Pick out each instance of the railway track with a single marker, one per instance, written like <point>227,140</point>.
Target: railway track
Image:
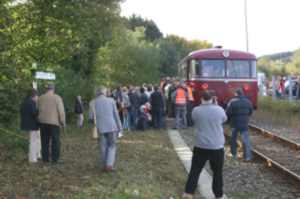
<point>277,151</point>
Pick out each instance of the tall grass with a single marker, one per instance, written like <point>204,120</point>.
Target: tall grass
<point>278,112</point>
<point>12,143</point>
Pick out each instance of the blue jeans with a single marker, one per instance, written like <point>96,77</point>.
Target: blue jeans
<point>180,112</point>
<point>108,147</point>
<point>246,143</point>
<point>126,121</point>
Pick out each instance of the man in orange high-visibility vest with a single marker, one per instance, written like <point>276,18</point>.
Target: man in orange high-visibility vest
<point>180,97</point>
<point>190,105</point>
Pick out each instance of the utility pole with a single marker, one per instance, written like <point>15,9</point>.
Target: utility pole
<point>246,25</point>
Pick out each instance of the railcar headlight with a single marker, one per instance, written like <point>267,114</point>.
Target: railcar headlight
<point>205,86</point>
<point>246,87</point>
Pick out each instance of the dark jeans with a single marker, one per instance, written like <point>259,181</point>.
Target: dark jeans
<point>171,109</point>
<point>133,117</point>
<point>50,132</point>
<point>157,118</point>
<point>189,113</point>
<point>216,160</point>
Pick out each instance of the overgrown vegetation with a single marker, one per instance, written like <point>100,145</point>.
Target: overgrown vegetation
<point>278,113</point>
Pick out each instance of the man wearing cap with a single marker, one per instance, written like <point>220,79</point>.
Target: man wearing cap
<point>51,117</point>
<point>208,119</point>
<point>239,111</point>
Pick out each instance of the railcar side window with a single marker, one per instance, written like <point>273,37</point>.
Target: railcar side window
<point>212,68</point>
<point>182,70</point>
<point>238,68</point>
<point>253,69</point>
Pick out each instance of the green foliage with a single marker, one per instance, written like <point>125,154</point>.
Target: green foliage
<point>60,36</point>
<point>85,43</point>
<point>129,59</point>
<point>173,49</point>
<point>275,65</point>
<point>14,142</point>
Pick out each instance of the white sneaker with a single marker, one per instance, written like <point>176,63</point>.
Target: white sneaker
<point>120,135</point>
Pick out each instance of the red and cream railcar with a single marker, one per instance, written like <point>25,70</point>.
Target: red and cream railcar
<point>220,70</point>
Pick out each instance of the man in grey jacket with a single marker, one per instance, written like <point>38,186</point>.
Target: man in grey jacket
<point>208,119</point>
<point>108,126</point>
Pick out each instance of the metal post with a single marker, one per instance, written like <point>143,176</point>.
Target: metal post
<point>273,87</point>
<point>290,88</point>
<point>246,25</point>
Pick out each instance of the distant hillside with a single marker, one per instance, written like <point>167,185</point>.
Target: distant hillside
<point>284,56</point>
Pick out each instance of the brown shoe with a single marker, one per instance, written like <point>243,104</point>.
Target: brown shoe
<point>109,169</point>
<point>187,196</point>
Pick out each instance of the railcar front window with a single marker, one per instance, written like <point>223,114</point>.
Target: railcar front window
<point>212,68</point>
<point>238,68</point>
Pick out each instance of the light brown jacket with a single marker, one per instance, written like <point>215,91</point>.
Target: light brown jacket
<point>51,110</point>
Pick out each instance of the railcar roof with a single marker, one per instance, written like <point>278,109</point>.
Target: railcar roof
<point>218,53</point>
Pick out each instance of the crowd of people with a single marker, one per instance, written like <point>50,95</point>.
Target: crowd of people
<point>280,87</point>
<point>138,108</point>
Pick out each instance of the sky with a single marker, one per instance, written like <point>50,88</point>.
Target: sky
<point>273,24</point>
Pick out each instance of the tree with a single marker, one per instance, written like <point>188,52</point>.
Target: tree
<point>58,35</point>
<point>152,31</point>
<point>173,49</point>
<point>129,59</point>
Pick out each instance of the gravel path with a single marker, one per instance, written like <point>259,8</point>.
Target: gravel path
<point>250,180</point>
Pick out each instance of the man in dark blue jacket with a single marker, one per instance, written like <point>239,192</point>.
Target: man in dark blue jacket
<point>29,123</point>
<point>157,107</point>
<point>239,111</point>
<point>134,107</point>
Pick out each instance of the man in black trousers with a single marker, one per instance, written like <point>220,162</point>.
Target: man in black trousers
<point>51,117</point>
<point>208,119</point>
<point>157,107</point>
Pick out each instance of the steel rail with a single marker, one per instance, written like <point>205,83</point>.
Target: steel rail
<point>271,163</point>
<point>267,133</point>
